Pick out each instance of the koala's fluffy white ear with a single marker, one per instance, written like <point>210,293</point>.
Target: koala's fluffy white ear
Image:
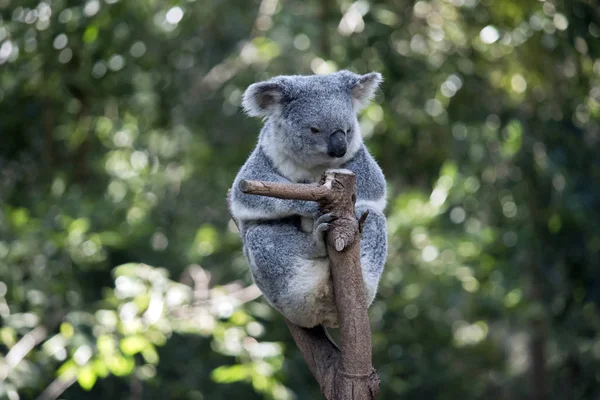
<point>262,98</point>
<point>364,89</point>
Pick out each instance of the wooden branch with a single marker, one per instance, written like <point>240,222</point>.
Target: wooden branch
<point>320,353</point>
<point>288,191</point>
<point>20,350</point>
<point>349,374</point>
<point>57,387</point>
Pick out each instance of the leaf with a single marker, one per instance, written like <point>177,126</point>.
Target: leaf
<point>133,344</point>
<point>100,368</point>
<point>128,269</point>
<point>91,34</point>
<point>150,355</point>
<point>86,377</point>
<point>79,226</point>
<point>66,329</point>
<point>240,317</point>
<point>19,217</point>
<point>206,240</point>
<point>231,373</point>
<point>105,344</point>
<point>120,366</point>
<point>513,136</point>
<point>67,370</point>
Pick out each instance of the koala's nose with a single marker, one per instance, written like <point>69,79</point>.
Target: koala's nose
<point>337,144</point>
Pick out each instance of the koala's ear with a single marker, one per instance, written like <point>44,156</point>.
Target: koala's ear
<point>262,98</point>
<point>364,88</point>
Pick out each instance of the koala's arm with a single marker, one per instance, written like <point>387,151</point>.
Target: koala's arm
<point>247,207</point>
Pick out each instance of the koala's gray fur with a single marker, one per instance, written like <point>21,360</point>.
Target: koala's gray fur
<point>284,239</point>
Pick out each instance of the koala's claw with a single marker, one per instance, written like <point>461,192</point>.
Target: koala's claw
<point>326,217</point>
<point>320,227</point>
<point>322,223</point>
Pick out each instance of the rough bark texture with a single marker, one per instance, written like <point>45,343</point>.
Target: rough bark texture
<point>346,374</point>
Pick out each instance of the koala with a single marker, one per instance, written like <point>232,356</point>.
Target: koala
<point>310,126</point>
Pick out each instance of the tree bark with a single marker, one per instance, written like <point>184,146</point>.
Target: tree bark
<point>346,374</point>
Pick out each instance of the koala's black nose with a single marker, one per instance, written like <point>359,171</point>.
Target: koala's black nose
<point>337,144</point>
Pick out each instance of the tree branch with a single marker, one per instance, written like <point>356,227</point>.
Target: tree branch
<point>57,387</point>
<point>348,374</point>
<point>20,350</point>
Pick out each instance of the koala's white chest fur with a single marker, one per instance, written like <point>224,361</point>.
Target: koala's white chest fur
<point>287,166</point>
<point>296,172</point>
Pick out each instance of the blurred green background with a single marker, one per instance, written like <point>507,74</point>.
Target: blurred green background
<point>122,276</point>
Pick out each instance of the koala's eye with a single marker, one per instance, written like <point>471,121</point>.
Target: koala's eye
<point>348,130</point>
<point>314,130</point>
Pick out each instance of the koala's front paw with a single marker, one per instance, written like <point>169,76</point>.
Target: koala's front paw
<point>320,227</point>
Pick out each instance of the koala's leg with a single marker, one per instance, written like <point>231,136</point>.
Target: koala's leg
<point>291,269</point>
<point>373,250</point>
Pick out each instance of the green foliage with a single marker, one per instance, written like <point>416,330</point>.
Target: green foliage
<point>121,274</point>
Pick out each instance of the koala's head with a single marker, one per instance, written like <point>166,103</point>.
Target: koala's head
<point>313,117</point>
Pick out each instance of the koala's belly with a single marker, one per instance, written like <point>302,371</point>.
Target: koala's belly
<point>307,224</point>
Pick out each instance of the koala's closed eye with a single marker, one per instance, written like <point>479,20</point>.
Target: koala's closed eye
<point>314,130</point>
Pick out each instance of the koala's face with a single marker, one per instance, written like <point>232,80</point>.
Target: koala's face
<point>313,117</point>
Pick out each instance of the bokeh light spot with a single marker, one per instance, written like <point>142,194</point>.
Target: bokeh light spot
<point>429,253</point>
<point>116,62</point>
<point>174,15</point>
<point>560,21</point>
<point>302,42</point>
<point>91,8</point>
<point>137,49</point>
<point>489,34</point>
<point>60,41</point>
<point>518,83</point>
<point>458,215</point>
